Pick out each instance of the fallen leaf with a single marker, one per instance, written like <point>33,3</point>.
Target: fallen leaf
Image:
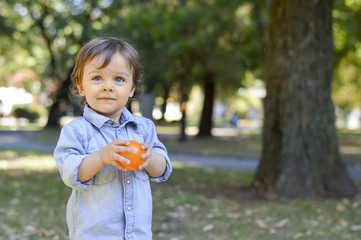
<point>340,207</point>
<point>15,201</point>
<point>272,231</point>
<point>261,223</point>
<point>356,228</point>
<point>281,223</point>
<point>234,215</point>
<point>30,228</point>
<point>210,215</point>
<point>249,212</point>
<point>208,227</point>
<point>341,223</point>
<point>298,235</point>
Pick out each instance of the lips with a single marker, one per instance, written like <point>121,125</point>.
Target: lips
<point>106,98</point>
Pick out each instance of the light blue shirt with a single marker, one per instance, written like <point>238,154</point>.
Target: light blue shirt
<point>113,204</point>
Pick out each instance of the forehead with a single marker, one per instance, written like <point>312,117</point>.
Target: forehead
<point>102,60</point>
<point>118,64</point>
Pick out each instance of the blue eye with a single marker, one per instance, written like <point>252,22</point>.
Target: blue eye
<point>119,79</point>
<point>97,78</point>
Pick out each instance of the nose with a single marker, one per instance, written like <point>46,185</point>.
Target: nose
<point>107,87</point>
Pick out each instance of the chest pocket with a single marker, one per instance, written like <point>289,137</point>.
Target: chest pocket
<point>141,175</point>
<point>107,174</point>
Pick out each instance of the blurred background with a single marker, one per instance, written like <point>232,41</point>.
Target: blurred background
<point>194,52</point>
<point>203,59</point>
<point>204,85</point>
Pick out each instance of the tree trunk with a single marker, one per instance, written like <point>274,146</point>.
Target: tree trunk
<point>147,104</point>
<point>183,121</point>
<point>300,156</point>
<point>205,126</point>
<point>62,95</point>
<point>184,91</point>
<point>164,105</point>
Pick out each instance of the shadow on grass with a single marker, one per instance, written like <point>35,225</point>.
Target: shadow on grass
<point>212,183</point>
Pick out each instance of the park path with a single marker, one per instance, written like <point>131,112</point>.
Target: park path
<point>27,140</point>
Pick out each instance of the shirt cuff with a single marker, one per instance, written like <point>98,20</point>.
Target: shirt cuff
<point>70,173</point>
<point>168,169</point>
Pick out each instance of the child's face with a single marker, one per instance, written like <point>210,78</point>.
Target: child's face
<point>107,89</point>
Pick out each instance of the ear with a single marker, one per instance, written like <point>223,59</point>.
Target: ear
<point>131,94</point>
<point>80,90</point>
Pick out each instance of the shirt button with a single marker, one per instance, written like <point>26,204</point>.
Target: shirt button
<point>129,208</point>
<point>129,235</point>
<point>128,181</point>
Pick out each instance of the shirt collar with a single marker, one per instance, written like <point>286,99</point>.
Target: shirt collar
<point>99,120</point>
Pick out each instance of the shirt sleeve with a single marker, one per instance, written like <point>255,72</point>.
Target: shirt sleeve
<point>68,154</point>
<point>157,146</point>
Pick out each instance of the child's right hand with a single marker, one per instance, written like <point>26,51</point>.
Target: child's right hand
<point>110,154</point>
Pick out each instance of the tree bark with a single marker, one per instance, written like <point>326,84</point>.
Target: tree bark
<point>184,91</point>
<point>300,156</point>
<point>164,105</point>
<point>61,95</point>
<point>205,126</point>
<point>183,121</point>
<point>147,104</point>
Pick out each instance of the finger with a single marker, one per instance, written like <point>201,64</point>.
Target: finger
<point>144,165</point>
<point>121,142</point>
<point>119,158</point>
<point>145,146</point>
<point>120,167</point>
<point>118,149</point>
<point>146,155</point>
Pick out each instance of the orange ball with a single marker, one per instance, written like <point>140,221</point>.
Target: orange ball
<point>135,156</point>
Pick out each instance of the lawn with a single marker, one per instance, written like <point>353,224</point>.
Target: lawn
<point>196,203</point>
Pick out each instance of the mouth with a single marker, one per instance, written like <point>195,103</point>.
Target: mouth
<point>106,98</point>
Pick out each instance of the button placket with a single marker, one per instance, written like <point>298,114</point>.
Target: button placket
<point>128,203</point>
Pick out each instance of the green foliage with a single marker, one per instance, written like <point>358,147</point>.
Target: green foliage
<point>27,113</point>
<point>172,36</point>
<point>33,112</point>
<point>347,54</point>
<point>179,41</point>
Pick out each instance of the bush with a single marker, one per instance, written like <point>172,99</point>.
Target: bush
<point>29,114</point>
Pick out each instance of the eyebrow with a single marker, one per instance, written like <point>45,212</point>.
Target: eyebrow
<point>92,72</point>
<point>123,73</point>
<point>118,73</point>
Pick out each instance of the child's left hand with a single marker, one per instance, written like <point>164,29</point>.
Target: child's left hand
<point>147,156</point>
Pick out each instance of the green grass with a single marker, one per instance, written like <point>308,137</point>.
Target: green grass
<point>215,204</point>
<point>196,203</point>
<point>33,198</point>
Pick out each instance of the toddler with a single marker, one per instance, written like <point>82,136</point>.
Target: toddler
<point>107,200</point>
